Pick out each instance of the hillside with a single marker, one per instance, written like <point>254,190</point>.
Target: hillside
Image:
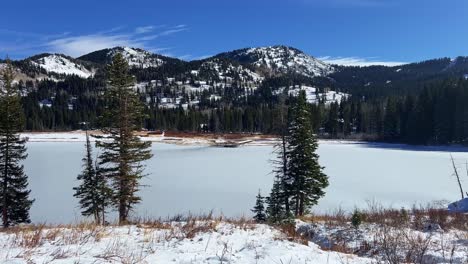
<point>333,240</point>
<point>61,64</point>
<point>278,60</point>
<point>240,91</point>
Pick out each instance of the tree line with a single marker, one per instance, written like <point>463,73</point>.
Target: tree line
<point>110,181</point>
<point>435,114</point>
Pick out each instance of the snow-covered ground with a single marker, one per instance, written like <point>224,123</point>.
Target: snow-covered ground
<point>314,97</point>
<point>225,241</point>
<point>285,59</point>
<point>62,65</point>
<point>202,242</point>
<point>80,136</point>
<point>384,242</point>
<point>137,57</point>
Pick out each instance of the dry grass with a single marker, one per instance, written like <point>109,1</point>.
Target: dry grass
<point>397,236</point>
<point>398,246</point>
<point>33,236</point>
<point>395,246</point>
<point>336,218</point>
<point>417,218</point>
<point>291,234</point>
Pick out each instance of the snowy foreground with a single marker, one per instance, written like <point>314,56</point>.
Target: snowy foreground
<point>386,244</point>
<point>213,241</point>
<point>201,242</point>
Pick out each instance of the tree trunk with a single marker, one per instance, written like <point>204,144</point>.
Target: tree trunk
<point>103,215</point>
<point>5,184</point>
<point>301,205</point>
<point>285,171</point>
<point>296,210</point>
<point>458,177</point>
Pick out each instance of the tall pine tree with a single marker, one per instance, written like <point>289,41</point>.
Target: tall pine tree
<point>123,152</point>
<point>306,180</point>
<point>93,192</point>
<point>14,193</point>
<point>278,201</point>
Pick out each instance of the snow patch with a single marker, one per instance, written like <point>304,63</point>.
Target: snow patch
<point>314,97</point>
<point>459,206</point>
<point>285,59</point>
<point>61,65</point>
<point>138,58</point>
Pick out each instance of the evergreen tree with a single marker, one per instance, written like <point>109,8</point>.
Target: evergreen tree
<point>14,193</point>
<point>278,201</point>
<point>275,211</point>
<point>259,209</point>
<point>391,120</point>
<point>306,181</point>
<point>93,191</point>
<point>123,152</point>
<point>356,218</point>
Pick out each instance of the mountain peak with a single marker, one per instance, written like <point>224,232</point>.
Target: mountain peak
<point>136,57</point>
<point>61,64</point>
<point>280,59</point>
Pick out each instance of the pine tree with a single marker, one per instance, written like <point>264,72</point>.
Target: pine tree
<point>278,201</point>
<point>123,152</point>
<point>14,193</point>
<point>275,211</point>
<point>391,122</point>
<point>306,181</point>
<point>356,218</point>
<point>259,209</point>
<point>93,191</point>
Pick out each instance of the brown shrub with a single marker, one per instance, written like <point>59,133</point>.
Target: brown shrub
<point>289,230</point>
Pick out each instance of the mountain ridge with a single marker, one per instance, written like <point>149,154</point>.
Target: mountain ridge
<point>248,66</point>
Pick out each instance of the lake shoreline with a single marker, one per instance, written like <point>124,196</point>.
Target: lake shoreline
<point>228,140</point>
<point>171,138</point>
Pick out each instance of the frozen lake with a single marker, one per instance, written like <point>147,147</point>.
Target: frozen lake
<point>199,179</point>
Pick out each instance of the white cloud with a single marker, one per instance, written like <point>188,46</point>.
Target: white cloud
<point>145,29</point>
<point>202,57</point>
<point>174,30</point>
<point>80,45</point>
<point>185,57</point>
<point>356,61</point>
<point>140,37</point>
<point>159,50</point>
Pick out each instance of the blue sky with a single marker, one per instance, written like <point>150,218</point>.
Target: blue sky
<point>352,31</point>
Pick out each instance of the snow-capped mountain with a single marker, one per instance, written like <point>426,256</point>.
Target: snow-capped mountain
<point>137,58</point>
<point>281,60</point>
<point>221,69</point>
<point>61,64</point>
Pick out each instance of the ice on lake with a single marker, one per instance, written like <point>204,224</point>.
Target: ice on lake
<point>198,179</point>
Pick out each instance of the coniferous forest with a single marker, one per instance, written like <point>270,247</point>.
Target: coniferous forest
<point>433,114</point>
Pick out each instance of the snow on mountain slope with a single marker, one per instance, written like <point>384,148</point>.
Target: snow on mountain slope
<point>281,59</point>
<point>137,57</point>
<point>223,69</point>
<point>62,65</point>
<point>314,96</point>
